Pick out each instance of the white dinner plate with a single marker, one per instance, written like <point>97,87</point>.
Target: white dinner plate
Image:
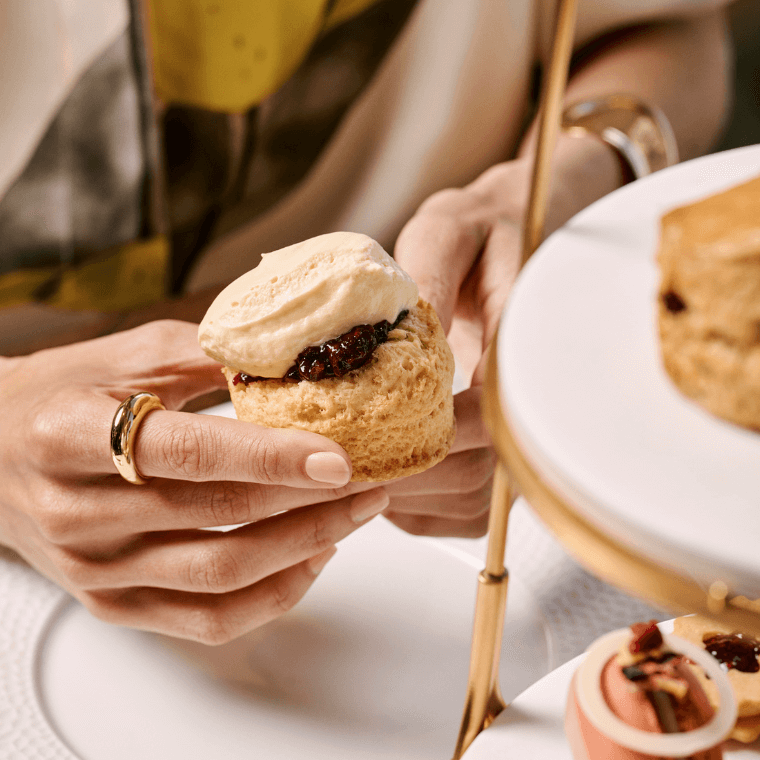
<point>533,725</point>
<point>582,383</point>
<point>372,663</point>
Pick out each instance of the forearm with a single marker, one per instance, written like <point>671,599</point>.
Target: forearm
<point>681,67</point>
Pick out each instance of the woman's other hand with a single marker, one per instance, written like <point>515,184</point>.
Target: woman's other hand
<point>463,248</point>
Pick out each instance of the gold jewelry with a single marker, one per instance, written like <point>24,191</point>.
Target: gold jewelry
<point>639,133</point>
<point>124,428</point>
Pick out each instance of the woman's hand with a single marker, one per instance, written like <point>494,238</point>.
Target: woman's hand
<point>134,555</point>
<point>463,249</point>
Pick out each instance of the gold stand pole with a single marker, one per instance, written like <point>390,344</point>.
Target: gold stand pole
<point>550,116</point>
<point>484,701</point>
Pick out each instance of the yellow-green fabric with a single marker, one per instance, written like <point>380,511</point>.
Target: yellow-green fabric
<point>228,55</point>
<point>124,278</point>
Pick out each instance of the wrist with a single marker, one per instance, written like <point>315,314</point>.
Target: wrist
<point>584,170</point>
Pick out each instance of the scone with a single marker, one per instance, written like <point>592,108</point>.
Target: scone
<point>709,302</point>
<point>740,655</point>
<point>330,335</point>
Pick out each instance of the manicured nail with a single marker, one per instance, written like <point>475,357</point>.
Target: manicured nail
<point>320,560</point>
<point>326,467</point>
<point>368,504</point>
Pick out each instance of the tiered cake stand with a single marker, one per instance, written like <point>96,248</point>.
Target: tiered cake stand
<point>647,490</point>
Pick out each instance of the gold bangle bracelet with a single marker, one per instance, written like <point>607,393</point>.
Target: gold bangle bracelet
<point>639,133</point>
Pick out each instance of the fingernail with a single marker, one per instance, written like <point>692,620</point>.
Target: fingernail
<point>368,504</point>
<point>320,560</point>
<point>326,467</point>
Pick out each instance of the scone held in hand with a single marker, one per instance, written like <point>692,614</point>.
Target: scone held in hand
<point>308,341</point>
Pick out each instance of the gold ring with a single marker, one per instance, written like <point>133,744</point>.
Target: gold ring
<point>124,427</point>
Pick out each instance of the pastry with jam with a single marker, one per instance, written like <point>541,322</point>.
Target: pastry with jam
<point>739,656</point>
<point>330,335</point>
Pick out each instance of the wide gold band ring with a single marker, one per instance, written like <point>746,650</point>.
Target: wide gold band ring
<point>126,422</point>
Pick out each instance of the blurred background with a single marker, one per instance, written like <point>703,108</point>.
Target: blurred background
<point>744,126</point>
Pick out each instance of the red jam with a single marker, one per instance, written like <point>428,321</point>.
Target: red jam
<point>336,357</point>
<point>735,650</point>
<point>646,636</point>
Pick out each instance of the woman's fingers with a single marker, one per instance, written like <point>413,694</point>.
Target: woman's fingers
<point>466,505</point>
<point>205,448</point>
<point>197,448</point>
<point>210,562</point>
<point>439,245</point>
<point>471,430</point>
<point>497,270</point>
<point>458,474</point>
<point>163,357</point>
<point>426,525</point>
<point>110,507</point>
<point>74,438</point>
<point>208,618</point>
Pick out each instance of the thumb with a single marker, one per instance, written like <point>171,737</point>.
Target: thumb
<point>438,251</point>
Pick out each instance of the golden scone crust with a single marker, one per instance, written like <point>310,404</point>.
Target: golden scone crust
<point>394,416</point>
<point>709,302</point>
<point>746,686</point>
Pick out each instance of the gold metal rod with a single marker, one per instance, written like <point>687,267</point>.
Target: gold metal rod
<point>550,115</point>
<point>501,504</point>
<point>484,699</point>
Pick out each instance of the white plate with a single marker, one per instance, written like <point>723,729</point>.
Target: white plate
<point>372,664</point>
<point>582,383</point>
<point>533,725</point>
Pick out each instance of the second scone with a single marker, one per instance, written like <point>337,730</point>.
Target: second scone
<point>394,416</point>
<point>709,302</point>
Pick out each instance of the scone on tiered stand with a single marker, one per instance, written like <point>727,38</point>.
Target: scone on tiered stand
<point>709,301</point>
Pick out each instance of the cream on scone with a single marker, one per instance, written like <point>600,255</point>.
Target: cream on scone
<point>330,335</point>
